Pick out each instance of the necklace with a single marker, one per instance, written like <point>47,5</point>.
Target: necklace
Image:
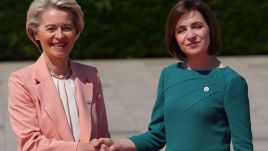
<point>65,76</point>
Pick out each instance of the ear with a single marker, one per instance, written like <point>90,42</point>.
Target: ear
<point>35,35</point>
<point>76,37</point>
<point>77,33</point>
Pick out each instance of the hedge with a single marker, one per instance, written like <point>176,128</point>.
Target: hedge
<point>135,28</point>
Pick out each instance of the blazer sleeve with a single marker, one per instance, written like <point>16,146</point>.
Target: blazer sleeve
<point>103,130</point>
<point>24,122</point>
<point>236,103</point>
<point>155,137</point>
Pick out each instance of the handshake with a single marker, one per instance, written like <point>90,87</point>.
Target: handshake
<point>107,144</point>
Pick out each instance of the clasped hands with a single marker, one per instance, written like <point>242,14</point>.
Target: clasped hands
<point>104,144</point>
<point>107,144</point>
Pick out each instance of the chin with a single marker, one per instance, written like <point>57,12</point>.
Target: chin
<point>61,55</point>
<point>195,53</point>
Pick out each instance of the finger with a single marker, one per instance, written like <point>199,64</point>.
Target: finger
<point>95,142</point>
<point>106,141</point>
<point>104,147</point>
<point>112,148</point>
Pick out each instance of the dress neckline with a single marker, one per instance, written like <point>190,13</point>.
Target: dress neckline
<point>180,65</point>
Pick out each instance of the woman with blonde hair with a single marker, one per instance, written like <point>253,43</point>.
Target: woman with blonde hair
<point>56,103</point>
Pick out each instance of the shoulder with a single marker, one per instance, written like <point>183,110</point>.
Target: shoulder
<point>171,67</point>
<point>171,74</point>
<point>232,77</point>
<point>83,65</point>
<point>235,84</point>
<point>85,71</point>
<point>84,68</point>
<point>236,89</point>
<point>21,79</point>
<point>24,74</point>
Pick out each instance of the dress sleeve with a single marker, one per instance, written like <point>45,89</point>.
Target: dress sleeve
<point>236,103</point>
<point>24,122</point>
<point>154,138</point>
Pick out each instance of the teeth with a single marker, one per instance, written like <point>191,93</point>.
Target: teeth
<point>59,45</point>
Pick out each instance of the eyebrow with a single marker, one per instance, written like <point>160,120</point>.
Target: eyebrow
<point>196,22</point>
<point>49,25</point>
<point>178,27</point>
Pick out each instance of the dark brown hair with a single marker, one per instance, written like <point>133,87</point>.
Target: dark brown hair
<point>181,8</point>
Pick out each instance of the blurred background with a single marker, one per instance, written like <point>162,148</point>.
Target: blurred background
<point>135,28</point>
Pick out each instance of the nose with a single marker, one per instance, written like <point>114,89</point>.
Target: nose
<point>59,34</point>
<point>191,36</point>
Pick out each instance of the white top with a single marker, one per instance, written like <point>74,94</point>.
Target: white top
<point>66,91</point>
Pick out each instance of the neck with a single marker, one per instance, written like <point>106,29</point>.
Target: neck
<point>57,66</point>
<point>202,63</point>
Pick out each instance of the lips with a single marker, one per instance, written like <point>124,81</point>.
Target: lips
<point>193,44</point>
<point>59,45</point>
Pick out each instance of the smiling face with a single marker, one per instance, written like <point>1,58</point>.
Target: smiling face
<point>56,33</point>
<point>192,34</point>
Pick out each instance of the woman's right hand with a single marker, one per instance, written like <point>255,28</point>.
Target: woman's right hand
<point>107,144</point>
<point>85,147</point>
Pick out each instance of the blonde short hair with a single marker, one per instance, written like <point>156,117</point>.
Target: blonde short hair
<point>37,7</point>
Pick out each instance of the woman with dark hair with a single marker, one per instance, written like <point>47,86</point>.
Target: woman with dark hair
<point>201,104</point>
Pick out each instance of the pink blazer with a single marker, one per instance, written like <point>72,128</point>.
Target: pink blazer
<point>37,115</point>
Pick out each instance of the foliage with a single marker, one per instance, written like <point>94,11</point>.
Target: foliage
<point>135,28</point>
<point>244,26</point>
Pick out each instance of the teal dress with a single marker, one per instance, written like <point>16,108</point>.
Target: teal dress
<point>198,111</point>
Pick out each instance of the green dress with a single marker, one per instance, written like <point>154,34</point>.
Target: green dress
<point>198,111</point>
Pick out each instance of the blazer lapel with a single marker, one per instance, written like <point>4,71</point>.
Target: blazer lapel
<point>84,89</point>
<point>50,100</point>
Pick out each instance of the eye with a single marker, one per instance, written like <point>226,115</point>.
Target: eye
<point>67,28</point>
<point>197,26</point>
<point>51,29</point>
<point>181,30</point>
